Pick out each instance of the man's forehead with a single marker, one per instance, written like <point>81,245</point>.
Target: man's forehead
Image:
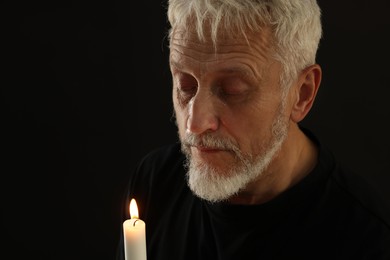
<point>248,38</point>
<point>185,43</point>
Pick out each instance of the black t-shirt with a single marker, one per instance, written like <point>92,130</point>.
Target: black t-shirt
<point>331,214</point>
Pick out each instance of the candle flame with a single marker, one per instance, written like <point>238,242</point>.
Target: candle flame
<point>133,209</point>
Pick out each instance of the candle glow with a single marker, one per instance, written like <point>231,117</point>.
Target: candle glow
<point>133,209</point>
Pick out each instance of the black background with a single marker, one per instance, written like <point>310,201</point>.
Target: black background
<point>86,93</point>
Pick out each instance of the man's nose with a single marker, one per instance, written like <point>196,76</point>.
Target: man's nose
<point>202,114</point>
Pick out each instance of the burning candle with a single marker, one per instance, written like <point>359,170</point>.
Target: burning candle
<point>134,235</point>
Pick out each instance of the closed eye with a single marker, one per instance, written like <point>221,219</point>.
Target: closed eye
<point>233,86</point>
<point>186,86</point>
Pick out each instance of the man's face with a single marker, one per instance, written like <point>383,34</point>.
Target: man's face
<point>229,110</point>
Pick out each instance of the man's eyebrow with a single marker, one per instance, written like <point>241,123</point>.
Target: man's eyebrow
<point>228,70</point>
<point>245,72</point>
<point>235,70</point>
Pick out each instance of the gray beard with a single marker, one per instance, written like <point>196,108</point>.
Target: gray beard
<point>215,185</point>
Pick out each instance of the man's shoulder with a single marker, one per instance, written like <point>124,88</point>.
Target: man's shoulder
<point>160,162</point>
<point>348,191</point>
<point>357,188</point>
<point>160,168</point>
<point>166,154</point>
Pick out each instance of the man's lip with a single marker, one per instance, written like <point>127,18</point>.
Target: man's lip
<point>208,149</point>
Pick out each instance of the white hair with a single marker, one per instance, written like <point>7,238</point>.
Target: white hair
<point>295,24</point>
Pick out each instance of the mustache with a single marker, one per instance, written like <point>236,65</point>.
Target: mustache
<point>211,141</point>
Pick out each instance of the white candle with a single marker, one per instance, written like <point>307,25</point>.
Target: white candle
<point>134,235</point>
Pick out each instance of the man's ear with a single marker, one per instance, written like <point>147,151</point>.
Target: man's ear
<point>306,90</point>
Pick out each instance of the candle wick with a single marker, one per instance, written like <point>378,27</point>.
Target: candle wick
<point>135,222</point>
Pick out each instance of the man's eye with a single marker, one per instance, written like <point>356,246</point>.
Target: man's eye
<point>185,93</point>
<point>233,87</point>
<point>187,87</point>
<point>232,91</point>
